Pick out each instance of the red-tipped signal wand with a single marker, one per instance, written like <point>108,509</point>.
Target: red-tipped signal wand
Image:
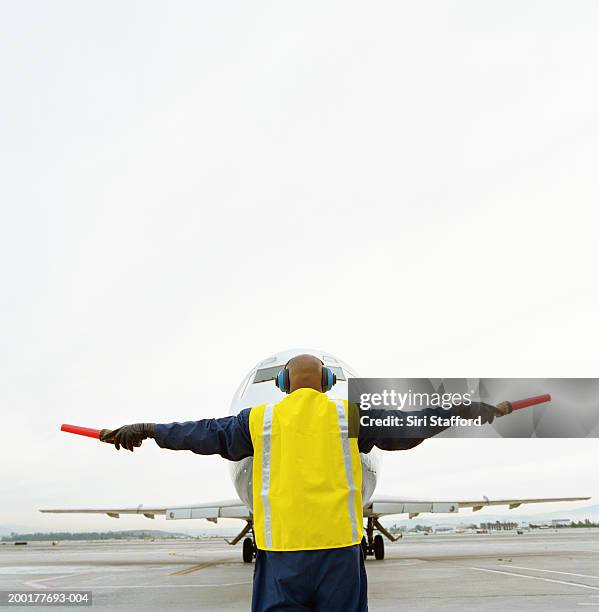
<point>83,431</point>
<point>531,401</point>
<point>507,407</point>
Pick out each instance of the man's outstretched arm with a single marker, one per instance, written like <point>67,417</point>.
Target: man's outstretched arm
<point>404,436</point>
<point>227,436</point>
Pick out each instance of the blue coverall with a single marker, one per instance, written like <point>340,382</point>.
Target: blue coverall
<point>331,579</point>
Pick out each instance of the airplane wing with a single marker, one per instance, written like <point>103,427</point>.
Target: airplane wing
<point>212,511</point>
<point>383,505</point>
<point>378,506</point>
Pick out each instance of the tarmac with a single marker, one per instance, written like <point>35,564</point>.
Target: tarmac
<point>538,570</point>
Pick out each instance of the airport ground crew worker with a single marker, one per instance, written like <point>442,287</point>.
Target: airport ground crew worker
<point>305,467</point>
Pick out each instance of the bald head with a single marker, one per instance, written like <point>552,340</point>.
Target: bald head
<point>305,371</point>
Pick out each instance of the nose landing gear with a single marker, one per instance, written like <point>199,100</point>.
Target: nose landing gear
<point>249,550</point>
<point>374,545</point>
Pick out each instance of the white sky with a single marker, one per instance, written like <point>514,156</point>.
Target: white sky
<point>189,187</point>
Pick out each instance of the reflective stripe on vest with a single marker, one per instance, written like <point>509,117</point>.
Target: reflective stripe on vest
<point>307,474</point>
<point>343,430</point>
<point>266,446</point>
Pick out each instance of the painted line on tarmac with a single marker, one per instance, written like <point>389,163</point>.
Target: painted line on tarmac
<point>574,584</point>
<point>536,569</point>
<point>155,586</point>
<point>193,568</point>
<point>403,562</point>
<point>37,584</point>
<point>200,566</point>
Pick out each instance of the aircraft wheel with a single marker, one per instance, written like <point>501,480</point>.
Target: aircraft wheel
<point>248,550</point>
<point>379,547</point>
<point>364,546</point>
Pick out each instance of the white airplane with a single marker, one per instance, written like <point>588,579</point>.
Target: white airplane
<point>258,388</point>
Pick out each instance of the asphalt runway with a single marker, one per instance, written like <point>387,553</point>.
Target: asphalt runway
<point>541,570</point>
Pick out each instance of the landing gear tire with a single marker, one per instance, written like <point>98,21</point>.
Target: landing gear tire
<point>379,547</point>
<point>364,546</point>
<point>248,550</point>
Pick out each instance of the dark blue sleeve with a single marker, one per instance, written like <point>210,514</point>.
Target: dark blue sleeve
<point>228,437</point>
<point>403,437</point>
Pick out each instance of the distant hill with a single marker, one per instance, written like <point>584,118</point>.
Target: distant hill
<point>590,512</point>
<point>8,529</point>
<point>92,535</point>
<point>467,517</point>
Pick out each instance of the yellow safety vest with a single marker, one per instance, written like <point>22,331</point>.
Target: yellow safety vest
<point>307,474</point>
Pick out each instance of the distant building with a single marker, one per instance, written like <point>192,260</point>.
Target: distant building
<point>499,526</point>
<point>561,522</point>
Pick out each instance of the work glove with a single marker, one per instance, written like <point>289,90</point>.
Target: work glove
<point>128,436</point>
<point>504,408</point>
<point>480,409</point>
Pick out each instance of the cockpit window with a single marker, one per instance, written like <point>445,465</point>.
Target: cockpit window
<point>266,374</point>
<point>338,372</point>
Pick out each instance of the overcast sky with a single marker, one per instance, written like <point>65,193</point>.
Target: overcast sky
<point>189,187</point>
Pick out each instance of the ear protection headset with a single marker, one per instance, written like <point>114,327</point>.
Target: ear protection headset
<point>328,379</point>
